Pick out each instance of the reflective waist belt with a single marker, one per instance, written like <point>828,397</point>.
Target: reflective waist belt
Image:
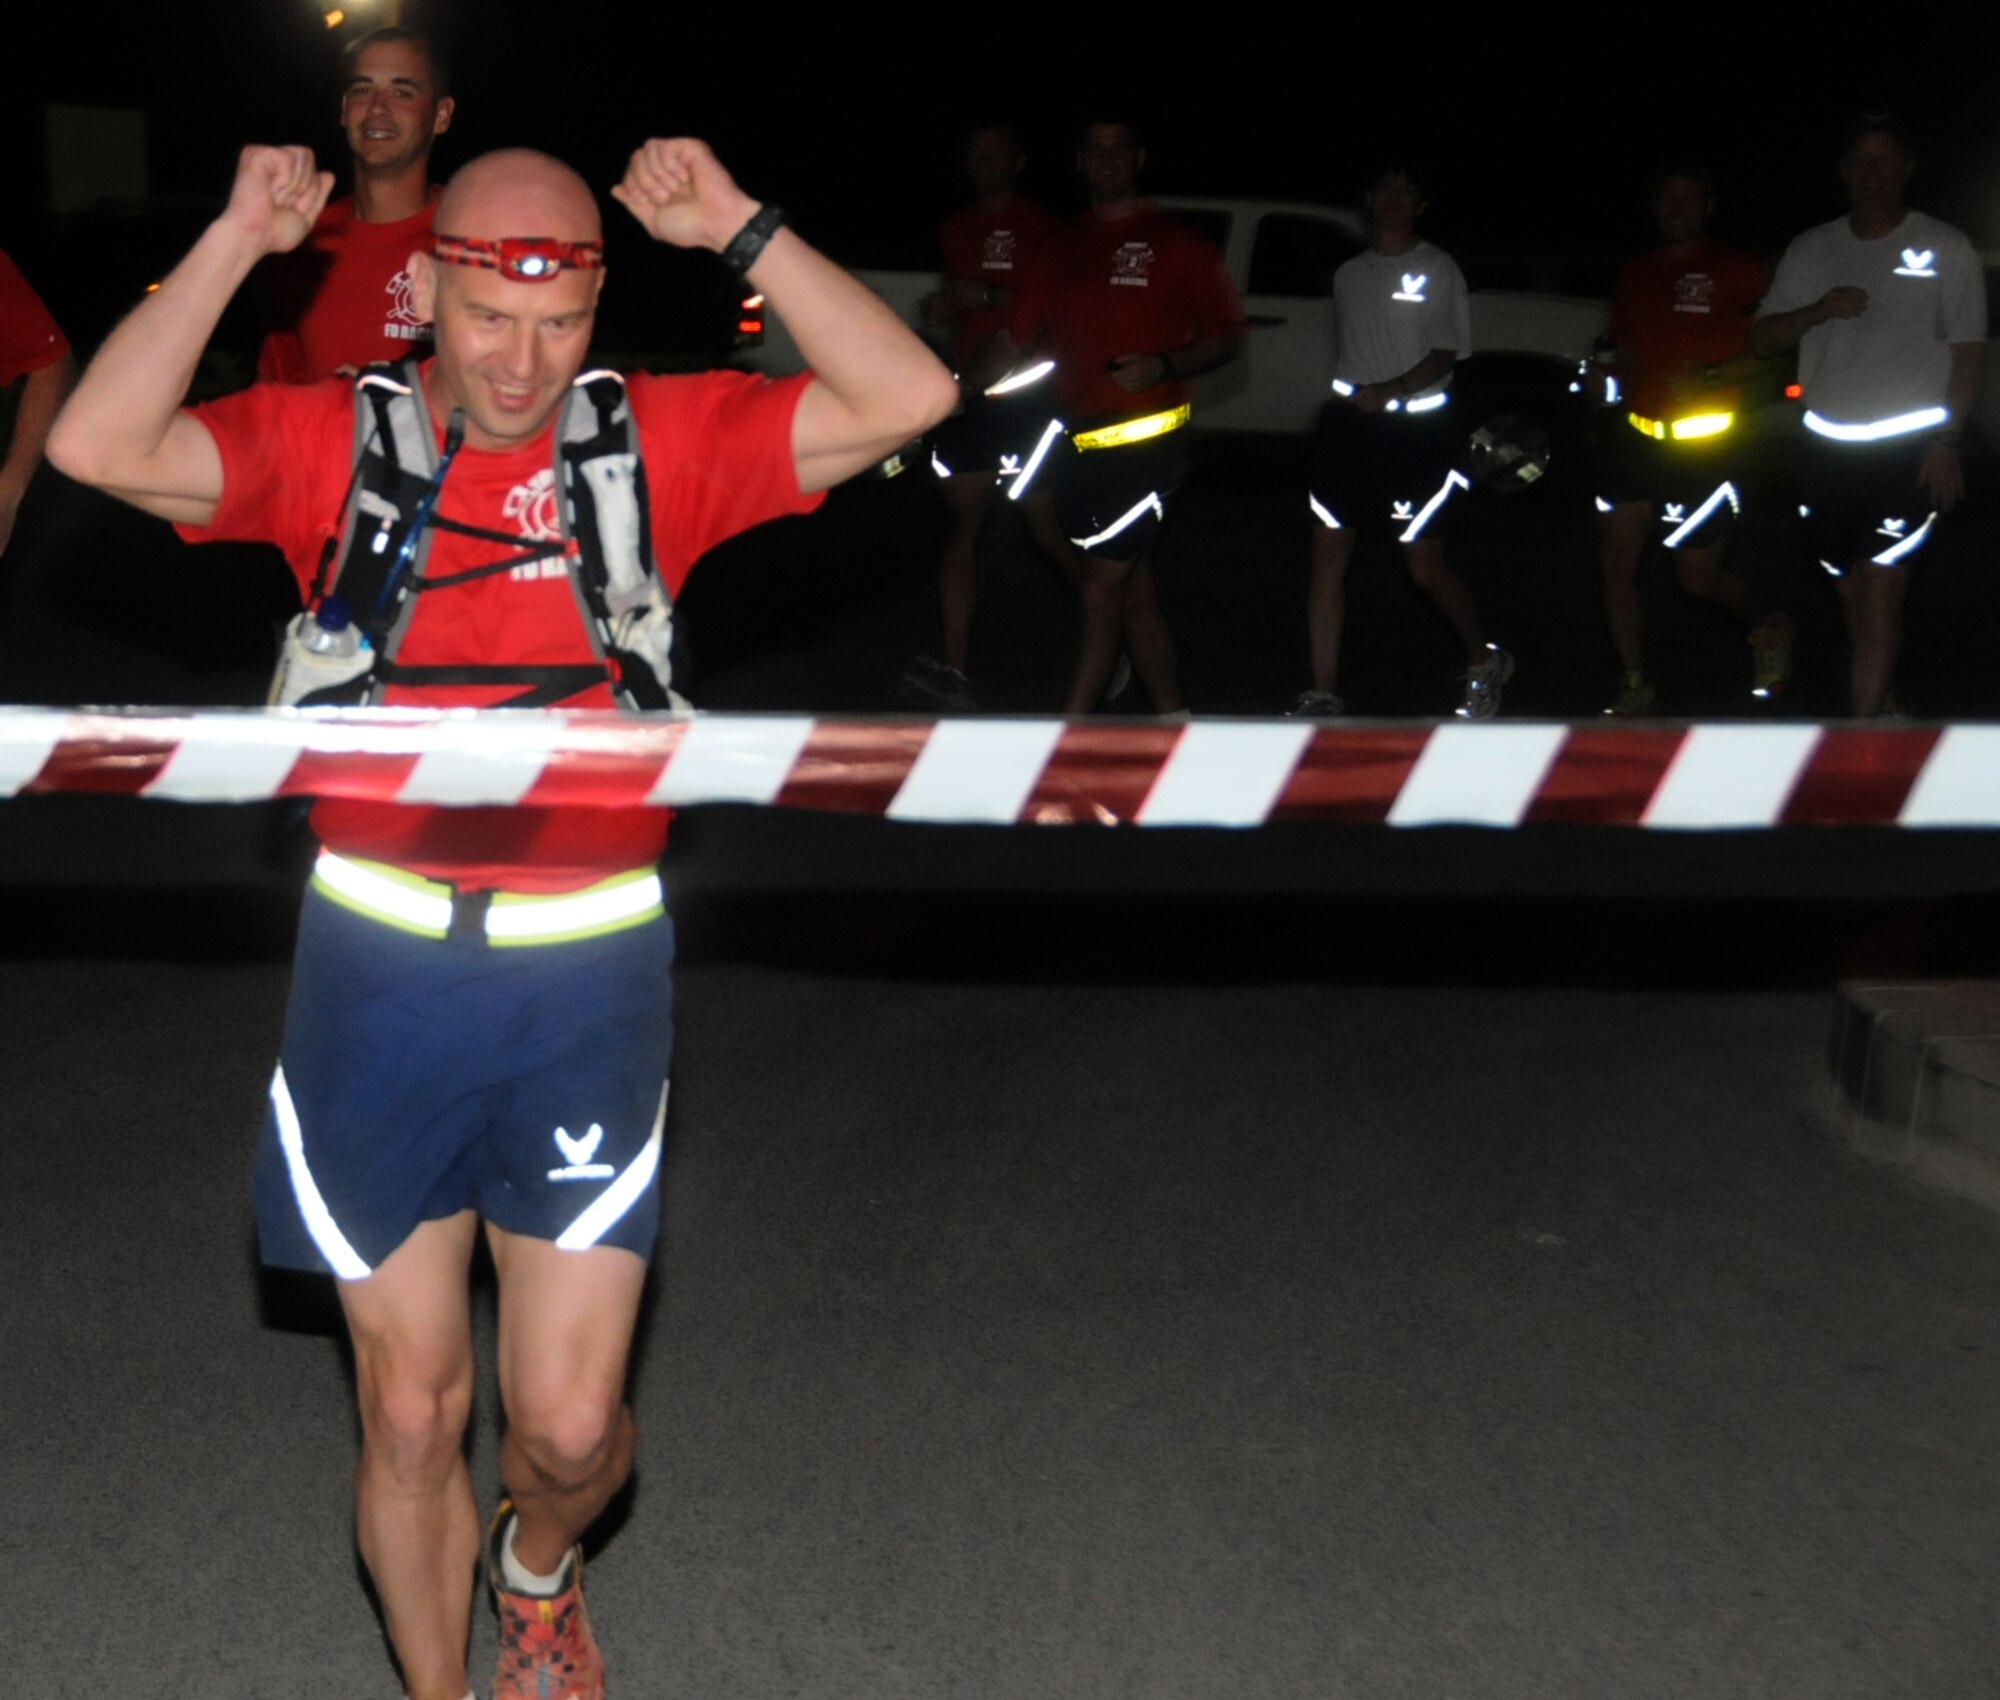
<point>434,910</point>
<point>1134,430</point>
<point>1687,430</point>
<point>1876,430</point>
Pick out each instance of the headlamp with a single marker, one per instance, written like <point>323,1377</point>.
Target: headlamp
<point>527,259</point>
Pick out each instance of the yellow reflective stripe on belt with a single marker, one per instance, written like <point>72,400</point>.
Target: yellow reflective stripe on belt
<point>1134,430</point>
<point>1695,425</point>
<point>624,900</point>
<point>414,904</point>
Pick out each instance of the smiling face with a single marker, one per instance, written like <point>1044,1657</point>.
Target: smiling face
<point>1110,159</point>
<point>507,349</point>
<point>390,110</point>
<point>1681,208</point>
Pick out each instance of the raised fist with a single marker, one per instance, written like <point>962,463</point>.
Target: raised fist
<point>679,191</point>
<point>278,195</point>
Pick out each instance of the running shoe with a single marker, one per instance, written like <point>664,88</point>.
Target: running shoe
<point>1120,681</point>
<point>1771,656</point>
<point>546,1649</point>
<point>1635,697</point>
<point>931,684</point>
<point>1317,705</point>
<point>1483,680</point>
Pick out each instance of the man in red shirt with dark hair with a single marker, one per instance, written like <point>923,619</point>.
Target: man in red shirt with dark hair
<point>343,298</point>
<point>480,1014</point>
<point>1679,317</point>
<point>1131,304</point>
<point>988,246</point>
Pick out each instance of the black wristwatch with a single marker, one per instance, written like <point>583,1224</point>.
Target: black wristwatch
<point>748,243</point>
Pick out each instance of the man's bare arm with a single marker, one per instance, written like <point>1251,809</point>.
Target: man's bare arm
<point>1136,372</point>
<point>42,392</point>
<point>1943,471</point>
<point>122,430</point>
<point>875,384</point>
<point>1780,333</point>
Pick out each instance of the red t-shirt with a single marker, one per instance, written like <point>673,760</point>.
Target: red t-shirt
<point>1676,311</point>
<point>989,247</point>
<point>1104,288</point>
<point>29,338</point>
<point>718,455</point>
<point>342,297</point>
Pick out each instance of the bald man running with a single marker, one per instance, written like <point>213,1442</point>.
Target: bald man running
<point>479,1020</point>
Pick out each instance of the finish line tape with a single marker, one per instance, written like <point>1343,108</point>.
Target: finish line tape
<point>993,771</point>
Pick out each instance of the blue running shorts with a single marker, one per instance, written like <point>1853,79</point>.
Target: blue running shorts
<point>420,1077</point>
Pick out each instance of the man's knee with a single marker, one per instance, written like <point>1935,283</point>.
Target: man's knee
<point>415,1422</point>
<point>1103,584</point>
<point>1699,572</point>
<point>567,1434</point>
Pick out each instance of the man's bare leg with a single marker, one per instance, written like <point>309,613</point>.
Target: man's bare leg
<point>966,498</point>
<point>1101,597</point>
<point>1703,575</point>
<point>1149,642</point>
<point>414,1514</point>
<point>1449,594</point>
<point>1872,598</point>
<point>1621,542</point>
<point>566,1320</point>
<point>1326,604</point>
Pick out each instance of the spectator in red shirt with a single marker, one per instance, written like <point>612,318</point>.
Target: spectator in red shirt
<point>1130,304</point>
<point>342,300</point>
<point>33,350</point>
<point>988,246</point>
<point>1679,318</point>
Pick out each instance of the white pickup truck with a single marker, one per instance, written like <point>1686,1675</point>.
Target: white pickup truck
<point>1281,256</point>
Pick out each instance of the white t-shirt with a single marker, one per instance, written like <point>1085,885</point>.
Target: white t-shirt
<point>1390,310</point>
<point>1926,291</point>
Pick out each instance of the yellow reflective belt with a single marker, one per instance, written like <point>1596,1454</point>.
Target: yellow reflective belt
<point>1694,426</point>
<point>417,905</point>
<point>1134,430</point>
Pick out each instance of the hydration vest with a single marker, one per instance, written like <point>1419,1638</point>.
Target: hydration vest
<point>376,565</point>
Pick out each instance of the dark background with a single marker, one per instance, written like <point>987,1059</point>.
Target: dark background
<point>1541,125</point>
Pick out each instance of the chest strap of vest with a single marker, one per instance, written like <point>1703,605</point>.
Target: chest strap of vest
<point>388,521</point>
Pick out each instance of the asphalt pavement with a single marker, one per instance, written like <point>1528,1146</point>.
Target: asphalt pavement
<point>1097,1263</point>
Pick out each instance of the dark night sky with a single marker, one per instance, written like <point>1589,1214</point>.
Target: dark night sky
<point>1541,125</point>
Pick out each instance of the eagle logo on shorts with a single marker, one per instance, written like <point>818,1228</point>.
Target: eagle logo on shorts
<point>577,1153</point>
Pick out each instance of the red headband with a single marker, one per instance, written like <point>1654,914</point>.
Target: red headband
<point>529,259</point>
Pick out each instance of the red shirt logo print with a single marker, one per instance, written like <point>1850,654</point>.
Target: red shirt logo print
<point>532,508</point>
<point>1130,265</point>
<point>1694,292</point>
<point>403,322</point>
<point>998,253</point>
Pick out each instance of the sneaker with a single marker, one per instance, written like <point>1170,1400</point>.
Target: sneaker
<point>1635,696</point>
<point>1483,680</point>
<point>931,684</point>
<point>1120,681</point>
<point>546,1649</point>
<point>1771,656</point>
<point>1317,705</point>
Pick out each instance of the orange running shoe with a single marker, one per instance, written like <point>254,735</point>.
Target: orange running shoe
<point>547,1651</point>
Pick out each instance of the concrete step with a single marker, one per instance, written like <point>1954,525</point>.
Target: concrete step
<point>1915,1074</point>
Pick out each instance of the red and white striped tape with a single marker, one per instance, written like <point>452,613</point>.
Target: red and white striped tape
<point>994,771</point>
